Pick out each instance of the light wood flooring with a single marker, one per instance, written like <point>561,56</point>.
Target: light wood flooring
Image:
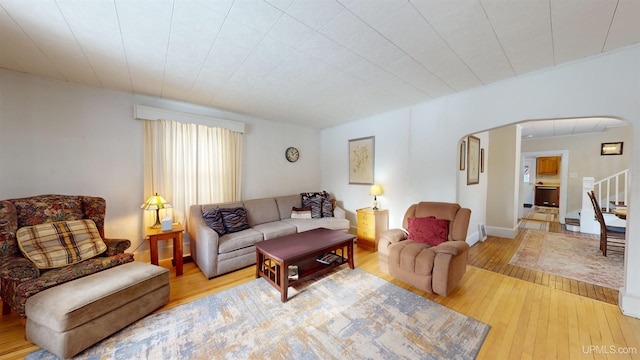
<point>495,254</point>
<point>528,320</point>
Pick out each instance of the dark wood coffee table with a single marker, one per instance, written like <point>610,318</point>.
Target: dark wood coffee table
<point>273,257</point>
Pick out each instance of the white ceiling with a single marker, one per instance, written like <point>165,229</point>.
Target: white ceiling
<point>314,62</point>
<point>566,127</point>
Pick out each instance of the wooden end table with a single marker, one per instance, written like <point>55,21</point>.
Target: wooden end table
<point>175,233</point>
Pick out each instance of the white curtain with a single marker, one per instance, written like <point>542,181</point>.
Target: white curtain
<point>190,164</point>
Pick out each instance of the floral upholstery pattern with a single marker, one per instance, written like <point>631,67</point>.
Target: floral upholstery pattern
<point>19,278</point>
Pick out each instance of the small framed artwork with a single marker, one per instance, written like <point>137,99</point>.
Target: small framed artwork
<point>463,154</point>
<point>482,160</point>
<point>473,160</point>
<point>614,148</point>
<point>361,160</point>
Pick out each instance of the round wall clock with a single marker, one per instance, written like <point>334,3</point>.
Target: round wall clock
<point>292,154</point>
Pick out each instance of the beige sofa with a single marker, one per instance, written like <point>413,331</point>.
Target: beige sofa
<point>268,218</point>
<point>434,269</point>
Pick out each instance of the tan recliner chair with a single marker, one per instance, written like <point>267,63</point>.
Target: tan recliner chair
<point>434,269</point>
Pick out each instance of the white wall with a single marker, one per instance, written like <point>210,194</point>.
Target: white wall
<point>63,138</point>
<point>502,188</point>
<point>475,196</point>
<point>416,147</point>
<point>585,159</point>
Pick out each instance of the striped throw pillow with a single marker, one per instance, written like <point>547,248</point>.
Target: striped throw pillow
<point>234,219</point>
<point>57,244</point>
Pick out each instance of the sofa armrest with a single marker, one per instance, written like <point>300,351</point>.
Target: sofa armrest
<point>451,247</point>
<point>116,246</point>
<point>203,243</point>
<point>339,213</point>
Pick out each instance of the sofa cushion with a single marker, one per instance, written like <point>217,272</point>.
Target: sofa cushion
<point>238,240</point>
<point>214,220</point>
<point>310,224</point>
<point>234,219</point>
<point>301,213</point>
<point>62,243</point>
<point>261,211</point>
<point>285,203</point>
<point>316,206</point>
<point>275,229</point>
<point>428,230</point>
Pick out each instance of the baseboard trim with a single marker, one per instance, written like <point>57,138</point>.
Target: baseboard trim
<point>629,304</point>
<point>502,232</point>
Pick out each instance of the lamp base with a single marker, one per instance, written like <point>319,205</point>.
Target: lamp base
<point>158,224</point>
<point>375,203</point>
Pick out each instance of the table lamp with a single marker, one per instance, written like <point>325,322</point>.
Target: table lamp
<point>156,202</point>
<point>375,190</point>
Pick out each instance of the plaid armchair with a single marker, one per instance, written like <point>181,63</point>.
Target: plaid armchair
<point>19,277</point>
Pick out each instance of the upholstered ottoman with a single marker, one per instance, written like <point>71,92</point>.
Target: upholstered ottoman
<point>69,318</point>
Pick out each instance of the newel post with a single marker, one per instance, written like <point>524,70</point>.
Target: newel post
<point>588,224</point>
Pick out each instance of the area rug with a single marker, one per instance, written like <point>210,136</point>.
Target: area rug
<point>543,213</point>
<point>570,256</point>
<point>534,225</point>
<point>348,314</point>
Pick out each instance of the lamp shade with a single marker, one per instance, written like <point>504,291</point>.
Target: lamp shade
<point>375,190</point>
<point>156,202</point>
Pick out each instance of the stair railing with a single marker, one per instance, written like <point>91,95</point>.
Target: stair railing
<point>607,184</point>
<point>603,189</point>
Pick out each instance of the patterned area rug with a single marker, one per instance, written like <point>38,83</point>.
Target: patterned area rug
<point>534,225</point>
<point>347,314</point>
<point>570,256</point>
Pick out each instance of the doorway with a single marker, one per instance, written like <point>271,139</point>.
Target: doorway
<point>527,188</point>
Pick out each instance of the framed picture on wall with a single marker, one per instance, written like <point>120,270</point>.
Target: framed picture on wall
<point>473,160</point>
<point>463,155</point>
<point>361,160</point>
<point>614,148</point>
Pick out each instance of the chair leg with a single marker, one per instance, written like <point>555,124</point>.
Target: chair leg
<point>6,309</point>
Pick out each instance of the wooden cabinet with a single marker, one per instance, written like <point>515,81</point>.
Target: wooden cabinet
<point>547,165</point>
<point>370,224</point>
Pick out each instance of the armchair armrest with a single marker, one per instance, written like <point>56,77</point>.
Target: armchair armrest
<point>19,269</point>
<point>394,235</point>
<point>453,247</point>
<point>116,246</point>
<point>389,237</point>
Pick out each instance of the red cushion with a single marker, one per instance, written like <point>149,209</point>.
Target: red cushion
<point>428,230</point>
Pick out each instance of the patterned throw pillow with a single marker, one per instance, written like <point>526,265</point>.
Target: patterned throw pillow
<point>327,207</point>
<point>213,219</point>
<point>428,230</point>
<point>234,219</point>
<point>301,213</point>
<point>320,202</point>
<point>58,244</point>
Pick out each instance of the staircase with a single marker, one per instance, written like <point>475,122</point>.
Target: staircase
<point>612,192</point>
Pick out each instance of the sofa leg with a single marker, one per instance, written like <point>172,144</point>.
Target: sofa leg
<point>6,309</point>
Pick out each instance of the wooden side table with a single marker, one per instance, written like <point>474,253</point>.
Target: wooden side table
<point>175,233</point>
<point>370,224</point>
